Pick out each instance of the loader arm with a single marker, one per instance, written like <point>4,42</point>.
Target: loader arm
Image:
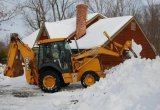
<point>16,46</point>
<point>101,50</point>
<point>96,51</point>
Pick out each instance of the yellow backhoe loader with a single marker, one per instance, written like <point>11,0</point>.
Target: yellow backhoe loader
<point>55,66</point>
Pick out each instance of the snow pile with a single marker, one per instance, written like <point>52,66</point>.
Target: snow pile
<point>137,48</point>
<point>133,85</point>
<point>1,68</point>
<point>1,72</point>
<point>14,83</point>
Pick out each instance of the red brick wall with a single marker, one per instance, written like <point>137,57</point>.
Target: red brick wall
<point>81,20</point>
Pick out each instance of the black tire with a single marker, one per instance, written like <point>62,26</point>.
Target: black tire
<point>53,74</point>
<point>88,73</point>
<point>65,84</point>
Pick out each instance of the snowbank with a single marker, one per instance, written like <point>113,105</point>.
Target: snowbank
<point>133,85</point>
<point>16,83</point>
<point>1,72</point>
<point>1,68</point>
<point>137,48</point>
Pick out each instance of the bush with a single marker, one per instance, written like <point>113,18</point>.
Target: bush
<point>3,53</point>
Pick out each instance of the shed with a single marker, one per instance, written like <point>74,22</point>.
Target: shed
<point>120,29</point>
<point>91,28</point>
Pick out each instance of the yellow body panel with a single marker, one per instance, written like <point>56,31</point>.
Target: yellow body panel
<point>91,65</point>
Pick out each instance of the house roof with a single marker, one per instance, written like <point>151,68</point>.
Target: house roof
<point>59,29</point>
<point>63,28</point>
<point>94,35</point>
<point>30,40</point>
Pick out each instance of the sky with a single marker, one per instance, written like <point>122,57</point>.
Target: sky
<point>15,25</point>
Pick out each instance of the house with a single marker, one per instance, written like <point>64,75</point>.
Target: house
<point>88,30</point>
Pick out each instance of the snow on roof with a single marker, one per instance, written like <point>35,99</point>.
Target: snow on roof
<point>63,28</point>
<point>30,40</point>
<point>59,29</point>
<point>94,35</point>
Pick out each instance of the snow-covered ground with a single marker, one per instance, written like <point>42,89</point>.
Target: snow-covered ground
<point>133,85</point>
<point>1,68</point>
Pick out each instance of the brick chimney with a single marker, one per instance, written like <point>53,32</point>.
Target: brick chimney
<point>81,20</point>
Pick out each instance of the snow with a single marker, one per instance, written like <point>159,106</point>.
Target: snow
<point>1,68</point>
<point>137,48</point>
<point>94,35</point>
<point>30,40</point>
<point>9,87</point>
<point>132,85</point>
<point>63,28</point>
<point>59,29</point>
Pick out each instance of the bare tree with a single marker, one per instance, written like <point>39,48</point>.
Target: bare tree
<point>36,12</point>
<point>96,6</point>
<point>63,8</point>
<point>6,14</point>
<point>3,51</point>
<point>112,8</point>
<point>151,22</point>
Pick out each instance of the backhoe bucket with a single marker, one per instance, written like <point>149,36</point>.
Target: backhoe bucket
<point>16,71</point>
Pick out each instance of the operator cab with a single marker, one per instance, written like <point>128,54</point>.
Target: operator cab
<point>56,54</point>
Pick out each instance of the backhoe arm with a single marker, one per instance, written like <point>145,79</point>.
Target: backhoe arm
<point>9,70</point>
<point>17,47</point>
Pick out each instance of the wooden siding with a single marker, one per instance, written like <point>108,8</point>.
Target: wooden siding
<point>128,34</point>
<point>43,35</point>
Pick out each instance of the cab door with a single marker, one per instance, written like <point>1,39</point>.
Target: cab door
<point>56,53</point>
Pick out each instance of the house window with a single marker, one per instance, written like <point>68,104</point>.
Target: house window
<point>133,26</point>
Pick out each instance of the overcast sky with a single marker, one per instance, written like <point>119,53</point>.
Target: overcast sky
<point>15,25</point>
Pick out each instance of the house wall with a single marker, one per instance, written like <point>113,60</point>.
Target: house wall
<point>131,31</point>
<point>43,35</point>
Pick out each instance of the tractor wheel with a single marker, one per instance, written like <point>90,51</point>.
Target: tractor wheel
<point>49,81</point>
<point>89,78</point>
